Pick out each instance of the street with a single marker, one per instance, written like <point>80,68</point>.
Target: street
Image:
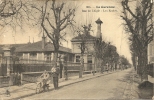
<point>112,86</point>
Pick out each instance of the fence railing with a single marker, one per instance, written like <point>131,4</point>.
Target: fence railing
<point>47,67</point>
<point>18,68</point>
<point>31,67</point>
<point>34,61</point>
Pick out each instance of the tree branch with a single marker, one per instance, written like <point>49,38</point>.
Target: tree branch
<point>50,23</point>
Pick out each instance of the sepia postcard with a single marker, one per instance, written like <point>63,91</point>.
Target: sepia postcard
<point>76,49</point>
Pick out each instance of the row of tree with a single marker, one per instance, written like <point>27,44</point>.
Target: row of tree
<point>102,52</point>
<point>138,22</point>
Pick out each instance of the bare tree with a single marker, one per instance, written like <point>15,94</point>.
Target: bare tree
<point>140,26</point>
<point>100,48</point>
<point>55,17</point>
<point>9,8</point>
<point>14,13</point>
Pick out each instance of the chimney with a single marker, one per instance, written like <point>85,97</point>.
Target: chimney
<point>99,22</point>
<point>43,41</point>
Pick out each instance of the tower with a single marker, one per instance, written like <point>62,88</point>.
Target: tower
<point>98,34</point>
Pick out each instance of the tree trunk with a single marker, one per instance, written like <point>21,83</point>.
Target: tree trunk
<point>81,66</point>
<point>144,70</point>
<point>142,65</point>
<point>95,64</point>
<point>55,59</point>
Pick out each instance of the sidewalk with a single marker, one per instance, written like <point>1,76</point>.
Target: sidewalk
<point>18,92</point>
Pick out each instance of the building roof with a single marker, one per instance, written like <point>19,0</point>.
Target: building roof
<point>37,47</point>
<point>79,38</point>
<point>10,46</point>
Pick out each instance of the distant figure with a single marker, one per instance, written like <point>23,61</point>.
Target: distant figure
<point>61,69</point>
<point>55,74</point>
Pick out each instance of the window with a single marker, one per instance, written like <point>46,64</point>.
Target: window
<point>47,57</point>
<point>32,57</point>
<point>77,58</point>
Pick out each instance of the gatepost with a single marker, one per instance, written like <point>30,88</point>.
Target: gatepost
<point>7,55</point>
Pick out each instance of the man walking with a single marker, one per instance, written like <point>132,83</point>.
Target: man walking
<point>55,74</point>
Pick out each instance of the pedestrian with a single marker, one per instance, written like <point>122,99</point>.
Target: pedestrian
<point>44,79</point>
<point>55,74</point>
<point>61,69</point>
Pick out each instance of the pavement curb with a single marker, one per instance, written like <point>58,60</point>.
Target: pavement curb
<point>67,84</point>
<point>87,79</point>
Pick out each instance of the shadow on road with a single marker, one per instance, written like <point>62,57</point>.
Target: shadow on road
<point>126,87</point>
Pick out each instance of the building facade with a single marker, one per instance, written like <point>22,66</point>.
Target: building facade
<point>89,40</point>
<point>39,54</point>
<point>151,52</point>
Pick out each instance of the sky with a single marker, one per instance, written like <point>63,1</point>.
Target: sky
<point>88,11</point>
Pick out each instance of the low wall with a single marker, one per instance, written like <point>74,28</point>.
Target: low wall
<point>73,73</point>
<point>19,68</point>
<point>31,77</point>
<point>4,81</point>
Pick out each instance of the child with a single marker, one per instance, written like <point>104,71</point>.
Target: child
<point>44,77</point>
